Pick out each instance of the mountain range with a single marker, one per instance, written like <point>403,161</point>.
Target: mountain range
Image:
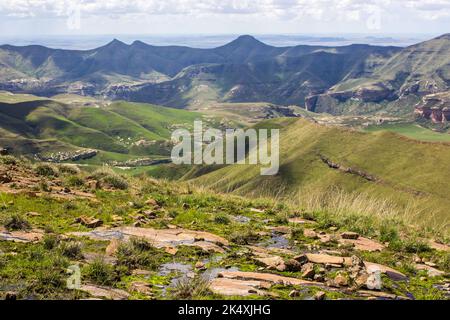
<point>354,79</point>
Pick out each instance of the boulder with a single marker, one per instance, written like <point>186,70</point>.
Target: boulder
<point>328,259</point>
<point>320,295</point>
<point>308,271</point>
<point>89,222</point>
<point>105,292</point>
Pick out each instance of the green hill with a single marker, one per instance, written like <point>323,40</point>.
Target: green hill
<point>383,165</point>
<point>114,128</point>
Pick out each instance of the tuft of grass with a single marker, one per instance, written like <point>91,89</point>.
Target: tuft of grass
<point>68,169</point>
<point>244,237</point>
<point>17,222</point>
<point>139,253</point>
<point>71,249</point>
<point>191,288</point>
<point>74,181</point>
<point>8,160</point>
<point>101,272</point>
<point>45,170</point>
<point>222,219</point>
<point>110,179</point>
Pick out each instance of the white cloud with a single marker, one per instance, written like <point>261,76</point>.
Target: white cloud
<point>349,12</point>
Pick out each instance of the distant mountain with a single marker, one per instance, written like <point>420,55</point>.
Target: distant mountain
<point>241,71</point>
<point>397,85</point>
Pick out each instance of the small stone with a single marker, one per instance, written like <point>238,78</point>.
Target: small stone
<point>341,281</point>
<point>141,287</point>
<point>301,259</point>
<point>320,295</point>
<point>112,248</point>
<point>308,233</point>
<point>33,214</point>
<point>417,259</point>
<point>200,265</point>
<point>374,281</point>
<point>293,265</point>
<point>11,296</point>
<point>350,235</point>
<point>319,278</point>
<point>423,278</point>
<point>431,264</point>
<point>151,202</point>
<point>89,222</point>
<point>171,250</point>
<point>361,280</point>
<point>294,294</point>
<point>333,228</point>
<point>308,271</point>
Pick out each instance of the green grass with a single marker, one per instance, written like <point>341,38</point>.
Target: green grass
<point>413,131</point>
<point>413,176</point>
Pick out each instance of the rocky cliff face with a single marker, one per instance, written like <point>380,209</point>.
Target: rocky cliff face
<point>434,107</point>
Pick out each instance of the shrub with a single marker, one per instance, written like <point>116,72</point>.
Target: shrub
<point>190,288</point>
<point>138,253</point>
<point>17,222</point>
<point>71,249</point>
<point>8,160</point>
<point>244,237</point>
<point>101,272</point>
<point>45,170</point>
<point>222,219</point>
<point>388,233</point>
<point>74,181</point>
<point>50,241</point>
<point>68,169</point>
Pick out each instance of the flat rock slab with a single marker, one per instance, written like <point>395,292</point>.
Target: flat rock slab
<point>267,277</point>
<point>35,235</point>
<point>432,272</point>
<point>381,295</point>
<point>328,259</point>
<point>105,292</point>
<point>161,238</point>
<point>301,221</point>
<point>235,287</point>
<point>439,246</point>
<point>391,273</point>
<point>364,244</point>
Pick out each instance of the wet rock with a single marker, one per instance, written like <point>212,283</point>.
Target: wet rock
<point>320,295</point>
<point>350,235</point>
<point>308,271</point>
<point>161,238</point>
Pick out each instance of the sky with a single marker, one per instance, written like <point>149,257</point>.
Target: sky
<point>88,17</point>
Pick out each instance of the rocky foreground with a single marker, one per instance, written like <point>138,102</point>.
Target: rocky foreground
<point>147,239</point>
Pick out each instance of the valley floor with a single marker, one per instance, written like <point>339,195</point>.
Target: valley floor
<point>152,239</point>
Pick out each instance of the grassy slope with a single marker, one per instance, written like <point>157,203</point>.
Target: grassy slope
<point>111,128</point>
<point>404,166</point>
<point>412,131</point>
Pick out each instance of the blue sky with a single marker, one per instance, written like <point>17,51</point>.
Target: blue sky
<point>46,17</point>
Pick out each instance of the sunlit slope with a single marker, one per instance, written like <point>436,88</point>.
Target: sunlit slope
<point>383,164</point>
